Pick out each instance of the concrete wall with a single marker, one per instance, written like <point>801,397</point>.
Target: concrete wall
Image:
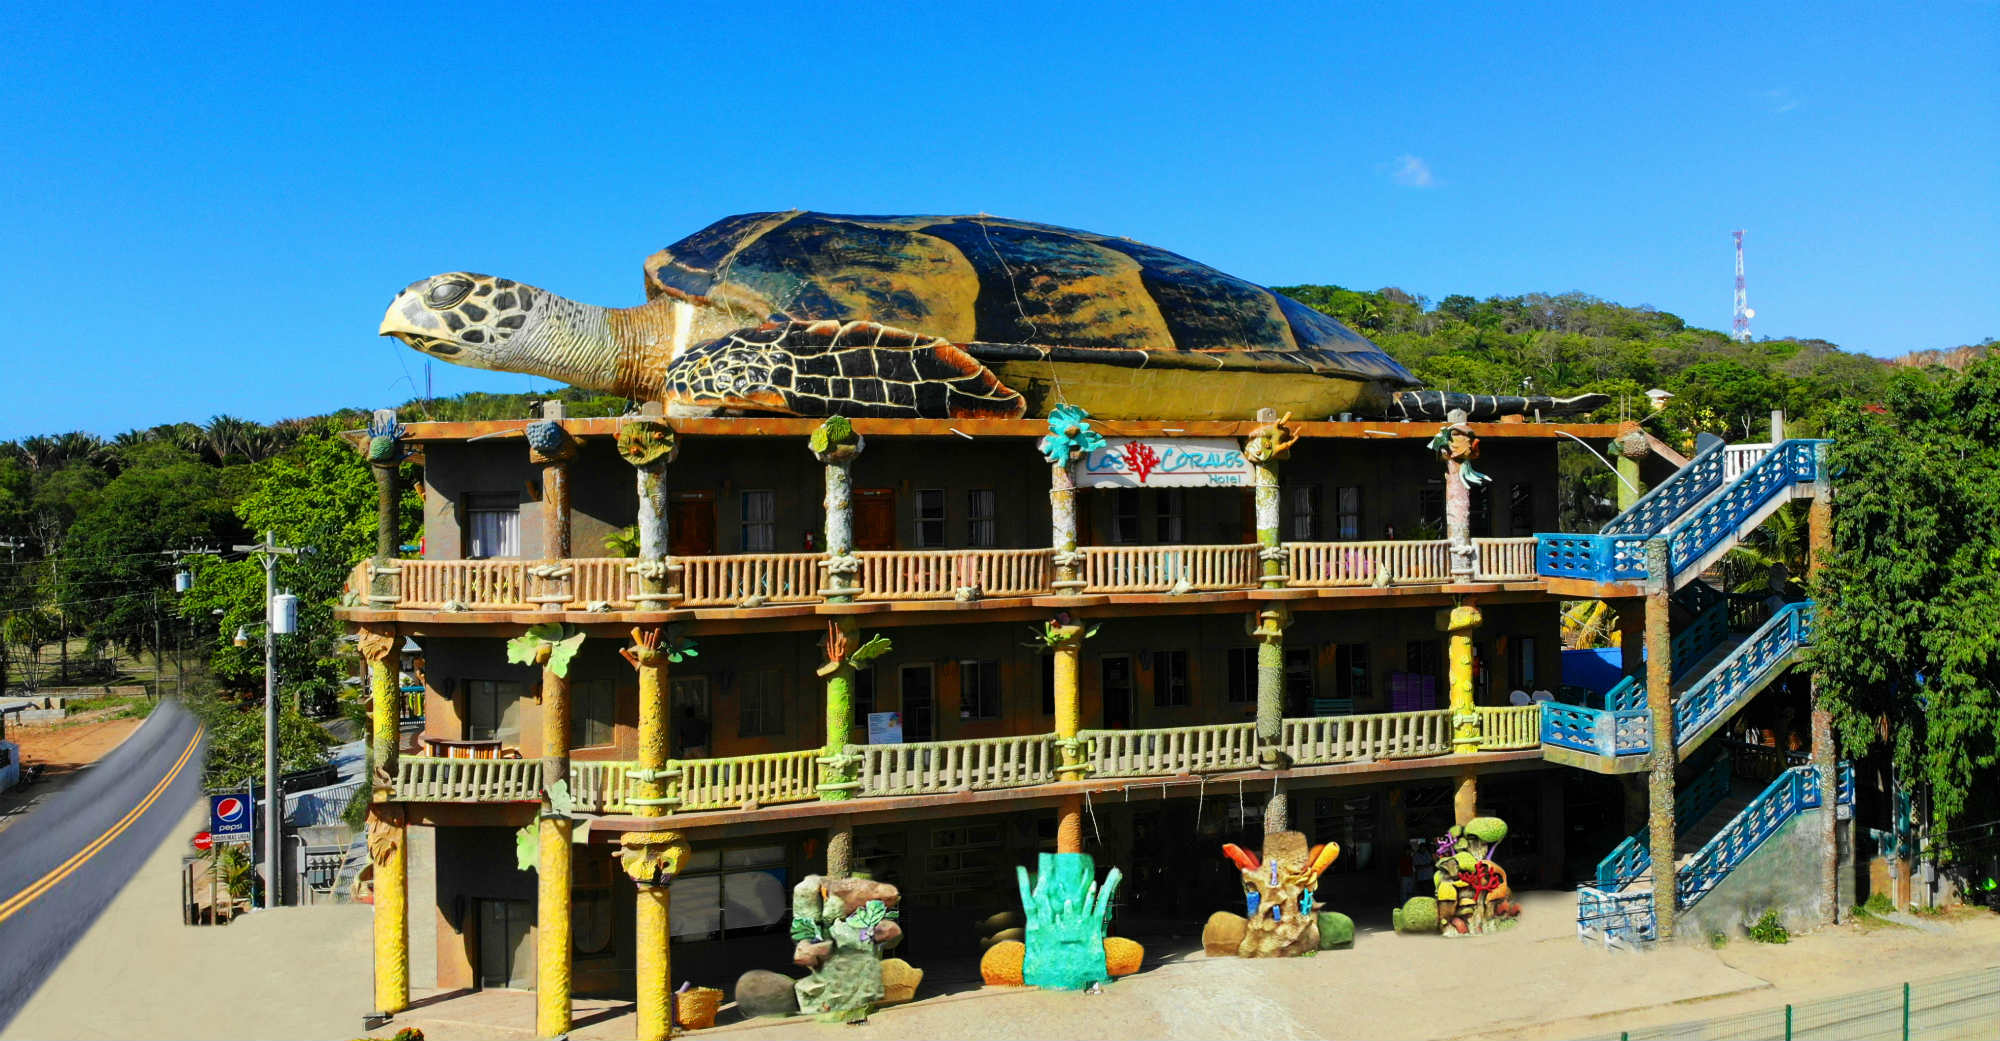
<point>1783,874</point>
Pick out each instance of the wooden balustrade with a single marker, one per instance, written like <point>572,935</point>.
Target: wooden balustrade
<point>778,578</point>
<point>480,585</point>
<point>1507,727</point>
<point>927,767</point>
<point>428,779</point>
<point>1325,565</point>
<point>1387,735</point>
<point>748,780</point>
<point>1505,560</point>
<point>1158,569</point>
<point>1173,750</point>
<point>600,785</point>
<point>938,574</point>
<point>603,580</point>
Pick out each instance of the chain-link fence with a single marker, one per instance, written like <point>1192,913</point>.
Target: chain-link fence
<point>1961,1007</point>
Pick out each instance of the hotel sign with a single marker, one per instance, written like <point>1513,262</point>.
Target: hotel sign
<point>1164,462</point>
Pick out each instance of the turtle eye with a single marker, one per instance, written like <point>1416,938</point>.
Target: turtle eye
<point>447,291</point>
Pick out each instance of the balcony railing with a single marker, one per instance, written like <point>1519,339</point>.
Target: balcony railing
<point>1508,560</point>
<point>1347,739</point>
<point>939,574</point>
<point>1160,569</point>
<point>779,578</point>
<point>928,767</point>
<point>981,764</point>
<point>1328,565</point>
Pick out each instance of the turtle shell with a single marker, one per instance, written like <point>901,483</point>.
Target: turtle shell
<point>1009,290</point>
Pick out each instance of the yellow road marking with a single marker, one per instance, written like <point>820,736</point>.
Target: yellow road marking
<point>68,867</point>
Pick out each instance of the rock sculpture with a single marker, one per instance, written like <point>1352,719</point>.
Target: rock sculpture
<point>842,926</point>
<point>814,314</point>
<point>1281,919</point>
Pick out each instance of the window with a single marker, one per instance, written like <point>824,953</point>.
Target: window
<point>761,705</point>
<point>1424,657</point>
<point>1522,668</point>
<point>1347,503</point>
<point>493,710</point>
<point>1521,509</point>
<point>979,690</point>
<point>1242,675</point>
<point>593,712</point>
<point>1048,684</point>
<point>1430,505</point>
<point>1351,671</point>
<point>1302,513</point>
<point>760,521</point>
<point>930,518</point>
<point>864,694</point>
<point>979,524</point>
<point>1170,679</point>
<point>1167,523</point>
<point>1125,516</point>
<point>1298,679</point>
<point>492,526</point>
<point>691,716</point>
<point>1482,511</point>
<point>918,711</point>
<point>730,891</point>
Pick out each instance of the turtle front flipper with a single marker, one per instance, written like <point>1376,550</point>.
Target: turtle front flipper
<point>827,368</point>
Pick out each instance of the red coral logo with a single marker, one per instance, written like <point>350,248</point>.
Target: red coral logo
<point>1141,459</point>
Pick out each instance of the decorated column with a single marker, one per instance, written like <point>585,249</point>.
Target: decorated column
<point>1267,446</point>
<point>1627,450</point>
<point>1455,444</point>
<point>551,646</point>
<point>1459,624</point>
<point>1270,634</point>
<point>649,445</point>
<point>551,448</point>
<point>835,444</point>
<point>1819,542</point>
<point>385,457</point>
<point>387,820</point>
<point>652,858</point>
<point>1666,757</point>
<point>1068,440</point>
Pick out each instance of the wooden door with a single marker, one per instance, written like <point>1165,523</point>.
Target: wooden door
<point>691,524</point>
<point>1116,672</point>
<point>874,518</point>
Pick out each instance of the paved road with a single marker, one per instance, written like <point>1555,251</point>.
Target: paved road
<point>62,865</point>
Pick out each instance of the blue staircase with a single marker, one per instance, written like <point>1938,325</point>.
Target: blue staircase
<point>1617,738</point>
<point>1616,908</point>
<point>1700,517</point>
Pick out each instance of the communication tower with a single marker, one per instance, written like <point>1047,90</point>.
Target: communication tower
<point>1739,328</point>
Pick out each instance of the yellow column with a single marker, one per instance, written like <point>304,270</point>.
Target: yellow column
<point>1068,650</point>
<point>386,824</point>
<point>651,858</point>
<point>1461,622</point>
<point>552,907</point>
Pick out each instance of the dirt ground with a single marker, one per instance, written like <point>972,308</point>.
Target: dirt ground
<point>61,749</point>
<point>308,969</point>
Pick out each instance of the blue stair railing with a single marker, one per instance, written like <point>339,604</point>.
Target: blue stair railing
<point>1704,514</point>
<point>1748,669</point>
<point>1690,538</point>
<point>1633,857</point>
<point>1620,912</point>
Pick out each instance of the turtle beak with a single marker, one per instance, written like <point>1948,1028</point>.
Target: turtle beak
<point>410,321</point>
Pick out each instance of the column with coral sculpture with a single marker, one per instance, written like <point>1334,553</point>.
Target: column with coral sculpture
<point>387,824</point>
<point>552,646</point>
<point>652,858</point>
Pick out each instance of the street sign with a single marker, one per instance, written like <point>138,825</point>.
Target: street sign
<point>230,818</point>
<point>203,840</point>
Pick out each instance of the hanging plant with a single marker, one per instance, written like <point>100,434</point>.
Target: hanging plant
<point>550,644</point>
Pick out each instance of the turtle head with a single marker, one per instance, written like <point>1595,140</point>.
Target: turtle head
<point>497,323</point>
<point>464,318</point>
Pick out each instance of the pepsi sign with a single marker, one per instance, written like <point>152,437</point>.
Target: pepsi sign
<point>230,817</point>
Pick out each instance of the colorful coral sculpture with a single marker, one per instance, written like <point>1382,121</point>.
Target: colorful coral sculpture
<point>818,314</point>
<point>1067,912</point>
<point>842,926</point>
<point>1471,890</point>
<point>1281,919</point>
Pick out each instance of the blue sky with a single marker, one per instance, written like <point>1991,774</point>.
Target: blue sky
<point>206,212</point>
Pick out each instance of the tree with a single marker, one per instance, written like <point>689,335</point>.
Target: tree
<point>1908,628</point>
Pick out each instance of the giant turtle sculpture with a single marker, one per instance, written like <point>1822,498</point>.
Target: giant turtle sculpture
<point>814,314</point>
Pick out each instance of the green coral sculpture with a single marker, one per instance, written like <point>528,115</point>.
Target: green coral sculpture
<point>1417,915</point>
<point>1069,435</point>
<point>550,643</point>
<point>1066,916</point>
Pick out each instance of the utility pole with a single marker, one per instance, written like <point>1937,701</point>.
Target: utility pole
<point>267,553</point>
<point>182,583</point>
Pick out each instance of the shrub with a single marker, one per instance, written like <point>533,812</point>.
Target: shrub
<point>1718,940</point>
<point>1879,904</point>
<point>1770,929</point>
